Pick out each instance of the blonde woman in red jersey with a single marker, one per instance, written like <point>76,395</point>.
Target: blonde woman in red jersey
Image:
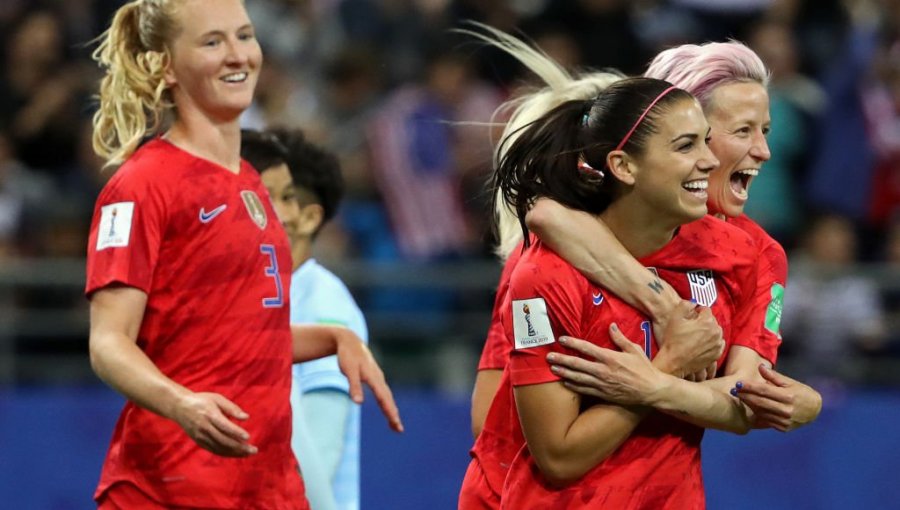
<point>730,82</point>
<point>188,270</point>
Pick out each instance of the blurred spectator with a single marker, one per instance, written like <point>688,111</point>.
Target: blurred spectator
<point>858,129</point>
<point>881,106</point>
<point>891,293</point>
<point>420,153</point>
<point>661,25</point>
<point>794,102</point>
<point>23,193</point>
<point>604,29</point>
<point>817,25</point>
<point>723,19</point>
<point>42,93</point>
<point>829,314</point>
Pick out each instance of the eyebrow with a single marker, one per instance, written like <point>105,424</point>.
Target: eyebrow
<point>222,32</point>
<point>692,136</point>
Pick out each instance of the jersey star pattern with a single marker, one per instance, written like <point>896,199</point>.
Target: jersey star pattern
<point>771,280</point>
<point>205,245</point>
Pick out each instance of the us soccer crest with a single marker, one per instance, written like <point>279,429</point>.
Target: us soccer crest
<point>703,286</point>
<point>255,208</point>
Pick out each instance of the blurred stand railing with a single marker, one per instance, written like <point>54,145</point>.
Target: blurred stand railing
<point>427,322</point>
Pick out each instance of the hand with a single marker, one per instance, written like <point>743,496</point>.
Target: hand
<point>359,366</point>
<point>205,418</point>
<point>779,402</point>
<point>691,343</point>
<point>625,377</point>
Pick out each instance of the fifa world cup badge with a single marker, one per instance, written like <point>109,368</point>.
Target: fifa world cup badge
<point>531,324</point>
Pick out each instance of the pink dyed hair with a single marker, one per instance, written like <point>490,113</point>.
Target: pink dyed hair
<point>699,69</point>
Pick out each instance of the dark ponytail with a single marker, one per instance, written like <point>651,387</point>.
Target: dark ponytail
<point>562,155</point>
<point>542,161</point>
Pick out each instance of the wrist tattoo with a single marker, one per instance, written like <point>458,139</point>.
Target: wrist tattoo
<point>656,286</point>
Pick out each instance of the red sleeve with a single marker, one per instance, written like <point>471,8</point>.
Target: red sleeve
<point>554,293</point>
<point>126,232</point>
<point>495,354</point>
<point>762,331</point>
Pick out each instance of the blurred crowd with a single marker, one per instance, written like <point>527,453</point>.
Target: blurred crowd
<point>408,106</point>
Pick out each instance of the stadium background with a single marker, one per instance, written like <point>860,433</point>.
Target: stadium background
<point>403,103</point>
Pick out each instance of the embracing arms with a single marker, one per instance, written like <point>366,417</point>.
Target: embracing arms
<point>776,401</point>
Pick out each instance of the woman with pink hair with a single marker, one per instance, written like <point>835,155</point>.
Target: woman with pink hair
<point>730,82</point>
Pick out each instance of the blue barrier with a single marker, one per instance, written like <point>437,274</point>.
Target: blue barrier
<point>52,443</point>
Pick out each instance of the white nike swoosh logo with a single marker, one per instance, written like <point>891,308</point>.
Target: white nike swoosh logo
<point>206,217</point>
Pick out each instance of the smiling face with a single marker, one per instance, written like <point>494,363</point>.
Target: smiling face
<point>671,176</point>
<point>739,116</point>
<point>215,59</point>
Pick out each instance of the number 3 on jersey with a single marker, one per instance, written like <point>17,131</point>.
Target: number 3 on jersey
<point>272,271</point>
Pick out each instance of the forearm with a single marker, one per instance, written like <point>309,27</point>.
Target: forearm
<point>593,437</point>
<point>588,244</point>
<point>312,341</point>
<point>706,404</point>
<point>486,384</point>
<point>121,364</point>
<point>565,442</point>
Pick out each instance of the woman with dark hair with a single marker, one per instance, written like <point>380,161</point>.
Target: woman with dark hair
<point>636,155</point>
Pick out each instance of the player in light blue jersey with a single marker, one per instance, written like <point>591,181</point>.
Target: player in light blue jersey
<point>305,185</point>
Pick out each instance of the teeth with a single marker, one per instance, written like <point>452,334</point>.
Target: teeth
<point>236,77</point>
<point>696,185</point>
<point>752,172</point>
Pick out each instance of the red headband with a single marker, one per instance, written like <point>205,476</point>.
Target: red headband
<point>638,123</point>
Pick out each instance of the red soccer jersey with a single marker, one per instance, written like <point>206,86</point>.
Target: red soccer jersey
<point>659,465</point>
<point>495,354</point>
<point>763,334</point>
<point>205,245</point>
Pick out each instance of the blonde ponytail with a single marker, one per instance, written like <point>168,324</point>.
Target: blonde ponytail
<point>559,86</point>
<point>134,99</point>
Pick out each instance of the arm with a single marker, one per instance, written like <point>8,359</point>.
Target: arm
<point>629,378</point>
<point>564,443</point>
<point>600,257</point>
<point>777,401</point>
<point>780,402</point>
<point>486,384</point>
<point>354,359</point>
<point>694,341</point>
<point>116,315</point>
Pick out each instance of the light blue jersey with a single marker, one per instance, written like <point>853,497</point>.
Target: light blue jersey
<point>320,297</point>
